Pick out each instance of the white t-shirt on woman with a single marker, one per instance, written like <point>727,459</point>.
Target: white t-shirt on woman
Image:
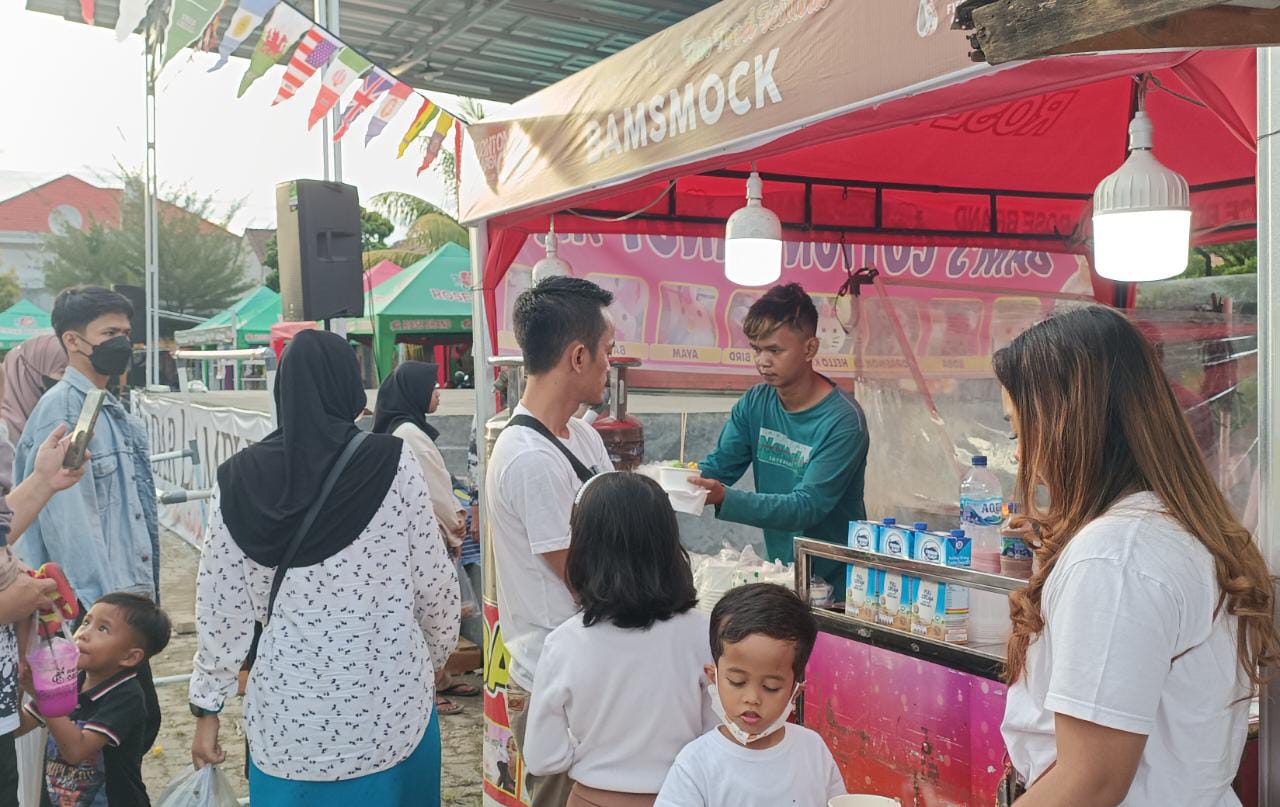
<point>1131,642</point>
<point>614,706</point>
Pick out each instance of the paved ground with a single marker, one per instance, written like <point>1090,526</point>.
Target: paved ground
<point>461,734</point>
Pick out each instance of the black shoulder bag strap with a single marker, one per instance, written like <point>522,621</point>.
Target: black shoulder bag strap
<point>312,512</point>
<point>584,473</point>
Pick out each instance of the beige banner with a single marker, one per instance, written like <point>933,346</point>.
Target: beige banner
<point>737,74</point>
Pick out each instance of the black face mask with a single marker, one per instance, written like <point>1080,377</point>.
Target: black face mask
<point>112,357</point>
<point>48,381</point>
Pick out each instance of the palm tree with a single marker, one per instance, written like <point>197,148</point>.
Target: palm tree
<point>429,226</point>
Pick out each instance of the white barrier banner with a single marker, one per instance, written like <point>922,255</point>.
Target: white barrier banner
<point>218,432</point>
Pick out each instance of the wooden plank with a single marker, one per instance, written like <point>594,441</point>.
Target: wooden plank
<point>1218,27</point>
<point>1009,30</point>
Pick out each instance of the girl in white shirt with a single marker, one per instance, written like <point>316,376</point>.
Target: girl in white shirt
<point>1148,622</point>
<point>621,687</point>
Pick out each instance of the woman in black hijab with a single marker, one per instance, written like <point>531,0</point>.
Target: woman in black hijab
<point>339,701</point>
<point>404,400</point>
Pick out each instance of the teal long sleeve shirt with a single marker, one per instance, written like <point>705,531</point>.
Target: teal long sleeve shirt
<point>809,468</point>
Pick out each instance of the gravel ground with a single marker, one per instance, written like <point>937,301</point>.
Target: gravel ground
<point>461,734</point>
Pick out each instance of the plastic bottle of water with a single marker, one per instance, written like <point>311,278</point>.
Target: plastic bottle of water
<point>982,513</point>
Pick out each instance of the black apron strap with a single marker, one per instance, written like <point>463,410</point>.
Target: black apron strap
<point>584,473</point>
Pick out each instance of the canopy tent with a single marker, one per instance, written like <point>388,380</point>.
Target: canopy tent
<point>245,324</point>
<point>22,321</point>
<point>379,273</point>
<point>870,125</point>
<point>896,138</point>
<point>429,297</point>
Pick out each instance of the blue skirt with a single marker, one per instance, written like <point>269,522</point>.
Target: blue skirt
<point>415,782</point>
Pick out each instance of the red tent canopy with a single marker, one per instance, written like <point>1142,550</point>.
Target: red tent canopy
<point>975,156</point>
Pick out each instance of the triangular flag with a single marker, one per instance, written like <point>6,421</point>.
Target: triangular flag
<point>244,22</point>
<point>375,84</point>
<point>387,110</point>
<point>86,10</point>
<point>347,67</point>
<point>131,13</point>
<point>443,123</point>
<point>314,52</point>
<point>187,21</point>
<point>420,121</point>
<point>286,26</point>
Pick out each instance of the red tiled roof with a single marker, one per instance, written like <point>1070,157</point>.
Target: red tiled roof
<point>29,212</point>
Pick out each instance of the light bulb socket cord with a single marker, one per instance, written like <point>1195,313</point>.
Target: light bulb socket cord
<point>755,189</point>
<point>1141,132</point>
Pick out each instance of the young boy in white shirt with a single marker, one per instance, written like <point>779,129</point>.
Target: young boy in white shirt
<point>761,638</point>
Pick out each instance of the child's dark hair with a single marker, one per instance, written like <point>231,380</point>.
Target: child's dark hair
<point>788,305</point>
<point>76,307</point>
<point>626,564</point>
<point>764,608</point>
<point>150,624</point>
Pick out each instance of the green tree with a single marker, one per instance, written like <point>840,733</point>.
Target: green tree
<point>429,228</point>
<point>272,262</point>
<point>10,289</point>
<point>374,229</point>
<point>1236,258</point>
<point>201,263</point>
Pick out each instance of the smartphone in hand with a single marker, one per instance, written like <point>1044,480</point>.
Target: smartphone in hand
<point>83,431</point>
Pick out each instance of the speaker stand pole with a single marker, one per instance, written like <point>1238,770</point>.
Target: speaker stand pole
<point>326,12</point>
<point>151,235</point>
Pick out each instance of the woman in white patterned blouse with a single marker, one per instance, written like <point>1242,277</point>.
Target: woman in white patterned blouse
<point>339,701</point>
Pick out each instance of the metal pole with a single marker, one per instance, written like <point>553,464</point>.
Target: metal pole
<point>150,222</point>
<point>327,14</point>
<point>481,350</point>
<point>1268,180</point>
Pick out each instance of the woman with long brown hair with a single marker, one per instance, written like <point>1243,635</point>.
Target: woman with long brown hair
<point>1148,622</point>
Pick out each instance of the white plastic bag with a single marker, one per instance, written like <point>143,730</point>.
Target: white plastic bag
<point>207,787</point>
<point>467,592</point>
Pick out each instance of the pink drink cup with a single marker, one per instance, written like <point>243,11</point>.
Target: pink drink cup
<point>55,677</point>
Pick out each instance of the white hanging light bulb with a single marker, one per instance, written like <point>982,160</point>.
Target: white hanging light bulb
<point>753,240</point>
<point>553,264</point>
<point>1141,213</point>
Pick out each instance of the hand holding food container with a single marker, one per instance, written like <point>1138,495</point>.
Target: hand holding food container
<point>676,478</point>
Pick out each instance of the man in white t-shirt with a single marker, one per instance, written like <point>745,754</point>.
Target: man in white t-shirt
<point>566,337</point>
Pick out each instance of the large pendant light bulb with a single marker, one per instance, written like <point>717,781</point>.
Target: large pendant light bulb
<point>753,240</point>
<point>553,264</point>
<point>1141,215</point>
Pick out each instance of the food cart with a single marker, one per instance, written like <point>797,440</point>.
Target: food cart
<point>964,188</point>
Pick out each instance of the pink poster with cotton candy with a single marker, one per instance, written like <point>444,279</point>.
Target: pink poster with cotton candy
<point>674,309</point>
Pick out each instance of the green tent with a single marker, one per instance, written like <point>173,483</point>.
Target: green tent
<point>247,323</point>
<point>431,297</point>
<point>21,321</point>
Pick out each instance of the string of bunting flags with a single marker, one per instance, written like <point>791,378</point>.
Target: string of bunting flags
<point>305,47</point>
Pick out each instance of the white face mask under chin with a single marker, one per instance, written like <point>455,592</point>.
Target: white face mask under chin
<point>737,732</point>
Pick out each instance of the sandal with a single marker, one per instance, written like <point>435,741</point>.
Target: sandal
<point>461,689</point>
<point>447,708</point>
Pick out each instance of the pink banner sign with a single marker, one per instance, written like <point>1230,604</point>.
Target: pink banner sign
<point>674,309</point>
<point>905,728</point>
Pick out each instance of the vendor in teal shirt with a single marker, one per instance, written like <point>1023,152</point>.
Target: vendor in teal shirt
<point>804,438</point>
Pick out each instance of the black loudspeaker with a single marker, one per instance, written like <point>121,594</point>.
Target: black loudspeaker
<point>318,243</point>
<point>137,297</point>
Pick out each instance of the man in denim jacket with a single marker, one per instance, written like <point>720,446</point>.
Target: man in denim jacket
<point>103,531</point>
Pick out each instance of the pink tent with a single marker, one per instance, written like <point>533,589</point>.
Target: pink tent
<point>379,273</point>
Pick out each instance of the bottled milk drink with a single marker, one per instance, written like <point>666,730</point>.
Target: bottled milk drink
<point>982,513</point>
